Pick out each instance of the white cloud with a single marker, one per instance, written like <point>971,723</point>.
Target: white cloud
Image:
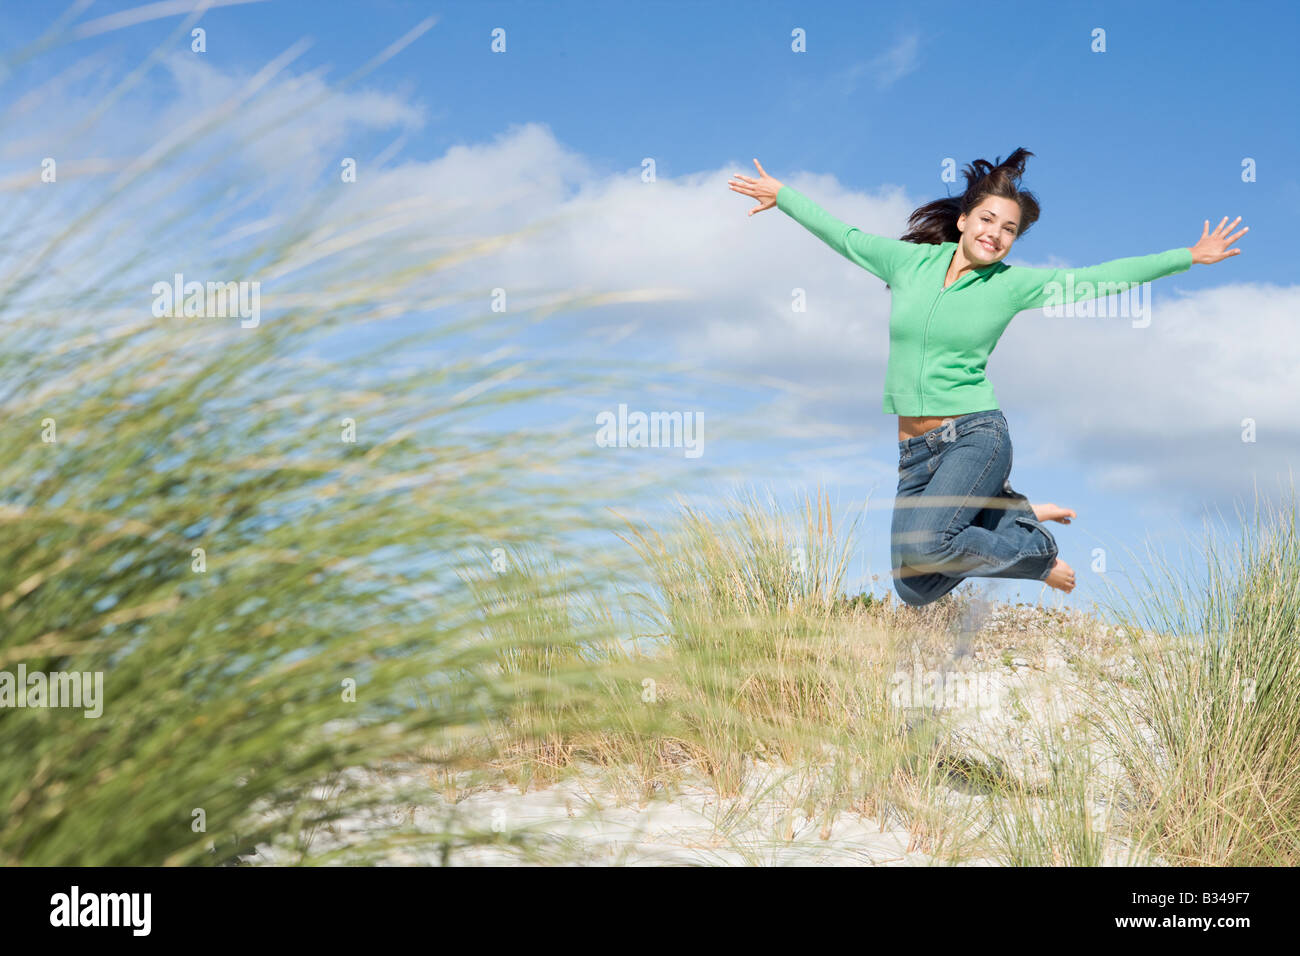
<point>887,68</point>
<point>897,62</point>
<point>1156,409</point>
<point>309,121</point>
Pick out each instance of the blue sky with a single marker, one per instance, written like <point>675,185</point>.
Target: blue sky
<point>1139,430</point>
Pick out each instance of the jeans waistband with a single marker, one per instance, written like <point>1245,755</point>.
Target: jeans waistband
<point>961,424</point>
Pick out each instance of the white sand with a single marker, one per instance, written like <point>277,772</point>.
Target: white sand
<point>583,821</point>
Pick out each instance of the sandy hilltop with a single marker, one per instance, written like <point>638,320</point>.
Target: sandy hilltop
<point>1010,694</point>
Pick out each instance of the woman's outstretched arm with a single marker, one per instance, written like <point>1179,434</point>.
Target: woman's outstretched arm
<point>878,255</point>
<point>1039,287</point>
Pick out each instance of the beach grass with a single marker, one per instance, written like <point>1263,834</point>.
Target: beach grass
<point>299,565</point>
<point>1157,735</point>
<point>253,532</point>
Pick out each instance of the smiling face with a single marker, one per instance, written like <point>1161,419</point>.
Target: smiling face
<point>989,231</point>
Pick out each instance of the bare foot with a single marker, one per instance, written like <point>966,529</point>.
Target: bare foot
<point>1051,512</point>
<point>1061,576</point>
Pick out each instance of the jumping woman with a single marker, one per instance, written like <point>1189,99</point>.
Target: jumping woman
<point>956,515</point>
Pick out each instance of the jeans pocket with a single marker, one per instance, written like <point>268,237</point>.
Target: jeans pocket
<point>988,426</point>
<point>910,468</point>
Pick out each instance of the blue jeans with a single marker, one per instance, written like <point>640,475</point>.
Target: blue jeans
<point>956,515</point>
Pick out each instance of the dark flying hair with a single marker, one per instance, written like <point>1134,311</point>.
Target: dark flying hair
<point>936,222</point>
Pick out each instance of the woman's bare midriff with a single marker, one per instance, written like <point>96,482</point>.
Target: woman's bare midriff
<point>910,426</point>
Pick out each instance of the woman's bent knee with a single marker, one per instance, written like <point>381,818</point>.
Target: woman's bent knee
<point>918,590</point>
<point>913,599</point>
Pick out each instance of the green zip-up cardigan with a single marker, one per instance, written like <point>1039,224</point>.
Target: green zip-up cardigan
<point>940,339</point>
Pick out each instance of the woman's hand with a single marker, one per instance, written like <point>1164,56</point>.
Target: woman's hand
<point>1213,246</point>
<point>763,189</point>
